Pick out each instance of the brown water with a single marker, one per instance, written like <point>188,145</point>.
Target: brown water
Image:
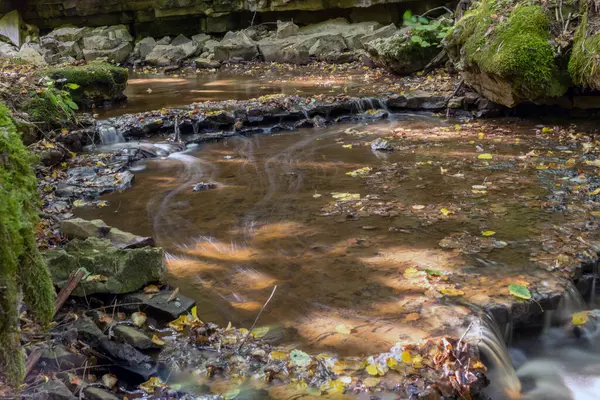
<point>273,221</point>
<point>152,92</point>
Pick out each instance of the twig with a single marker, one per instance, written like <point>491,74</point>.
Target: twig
<point>437,8</point>
<point>256,319</point>
<point>66,291</point>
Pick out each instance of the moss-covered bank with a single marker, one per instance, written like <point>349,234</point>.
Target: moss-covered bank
<point>584,65</point>
<point>97,82</point>
<point>22,269</point>
<point>504,51</point>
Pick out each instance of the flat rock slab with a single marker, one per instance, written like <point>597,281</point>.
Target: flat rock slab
<point>157,304</point>
<point>134,337</point>
<point>53,390</point>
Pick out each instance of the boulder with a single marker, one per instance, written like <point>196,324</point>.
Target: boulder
<point>286,29</point>
<point>59,358</point>
<point>31,56</point>
<point>144,47</point>
<point>200,39</point>
<point>330,26</point>
<point>165,54</point>
<point>13,28</point>
<point>164,41</point>
<point>209,45</point>
<point>68,34</point>
<point>381,33</point>
<point>126,240</point>
<point>283,51</point>
<point>236,45</point>
<point>7,50</point>
<point>114,32</point>
<point>181,39</point>
<point>71,49</point>
<point>381,144</point>
<point>53,389</point>
<point>116,55</point>
<point>326,45</point>
<point>202,62</point>
<point>402,55</point>
<point>79,228</point>
<point>100,43</point>
<point>112,270</point>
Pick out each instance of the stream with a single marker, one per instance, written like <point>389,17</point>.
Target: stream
<point>409,249</point>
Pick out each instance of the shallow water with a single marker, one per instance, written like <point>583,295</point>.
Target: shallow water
<point>153,92</point>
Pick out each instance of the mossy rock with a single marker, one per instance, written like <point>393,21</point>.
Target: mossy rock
<point>509,60</point>
<point>403,55</point>
<point>98,82</point>
<point>112,270</point>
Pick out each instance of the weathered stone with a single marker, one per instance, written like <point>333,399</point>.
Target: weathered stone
<point>100,43</point>
<point>329,26</point>
<point>116,55</point>
<point>209,45</point>
<point>326,45</point>
<point>68,34</point>
<point>79,228</point>
<point>381,144</point>
<point>114,32</point>
<point>283,51</point>
<point>31,56</point>
<point>71,49</point>
<point>179,40</point>
<point>126,240</point>
<point>54,389</point>
<point>96,393</point>
<point>400,54</point>
<point>158,305</point>
<point>144,47</point>
<point>200,39</point>
<point>112,270</point>
<point>164,41</point>
<point>58,358</point>
<point>88,332</point>
<point>7,50</point>
<point>286,29</point>
<point>236,45</point>
<point>165,54</point>
<point>206,63</point>
<point>381,33</point>
<point>50,157</point>
<point>134,337</point>
<point>13,28</point>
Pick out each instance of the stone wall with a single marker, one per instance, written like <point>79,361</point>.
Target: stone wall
<point>169,17</point>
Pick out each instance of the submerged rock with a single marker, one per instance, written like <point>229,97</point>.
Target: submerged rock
<point>381,144</point>
<point>53,389</point>
<point>112,270</point>
<point>166,304</point>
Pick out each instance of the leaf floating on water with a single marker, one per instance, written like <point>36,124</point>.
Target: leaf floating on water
<point>417,361</point>
<point>595,213</point>
<point>488,233</point>
<point>357,173</point>
<point>519,291</point>
<point>593,163</point>
<point>391,362</point>
<point>347,146</point>
<point>345,196</point>
<point>232,394</point>
<point>102,203</point>
<point>485,156</point>
<point>547,130</point>
<point>194,312</point>
<point>480,135</point>
<point>317,195</point>
<point>580,318</point>
<point>412,317</point>
<point>260,331</point>
<point>343,329</point>
<point>433,272</point>
<point>300,358</point>
<point>418,207</point>
<point>372,370</point>
<point>595,192</point>
<point>412,272</point>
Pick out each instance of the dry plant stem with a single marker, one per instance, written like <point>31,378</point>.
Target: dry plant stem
<point>256,319</point>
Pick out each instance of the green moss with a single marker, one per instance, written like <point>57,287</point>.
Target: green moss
<point>21,266</point>
<point>584,65</point>
<point>98,82</point>
<point>516,49</point>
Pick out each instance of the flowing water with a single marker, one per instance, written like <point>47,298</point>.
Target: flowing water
<point>272,220</point>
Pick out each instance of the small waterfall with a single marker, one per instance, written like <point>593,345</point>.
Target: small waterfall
<point>490,341</point>
<point>359,105</point>
<point>382,104</point>
<point>110,135</point>
<point>570,303</point>
<point>196,126</point>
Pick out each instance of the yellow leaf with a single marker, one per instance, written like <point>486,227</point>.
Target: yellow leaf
<point>488,233</point>
<point>157,341</point>
<point>372,370</point>
<point>138,318</point>
<point>339,367</point>
<point>347,146</point>
<point>595,213</point>
<point>452,292</point>
<point>417,361</point>
<point>580,318</point>
<point>547,130</point>
<point>372,381</point>
<point>343,329</point>
<point>279,355</point>
<point>260,331</point>
<point>595,192</point>
<point>411,272</point>
<point>445,211</point>
<point>194,312</point>
<point>151,289</point>
<point>79,203</point>
<point>480,135</point>
<point>485,156</point>
<point>151,384</point>
<point>406,357</point>
<point>391,362</point>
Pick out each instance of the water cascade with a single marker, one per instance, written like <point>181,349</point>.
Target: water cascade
<point>109,135</point>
